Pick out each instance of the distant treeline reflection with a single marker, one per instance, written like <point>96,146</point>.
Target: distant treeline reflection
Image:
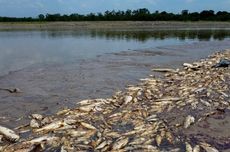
<point>146,35</point>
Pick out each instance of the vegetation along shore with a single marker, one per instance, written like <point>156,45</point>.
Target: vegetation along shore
<point>185,109</point>
<point>142,14</point>
<point>130,19</point>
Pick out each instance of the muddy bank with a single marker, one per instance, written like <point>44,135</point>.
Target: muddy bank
<point>184,109</point>
<point>124,25</point>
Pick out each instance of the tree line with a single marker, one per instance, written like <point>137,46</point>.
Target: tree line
<point>142,14</point>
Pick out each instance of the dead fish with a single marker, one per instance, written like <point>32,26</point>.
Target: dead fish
<point>91,102</point>
<point>24,131</point>
<point>88,126</point>
<point>132,132</point>
<point>152,118</point>
<point>37,116</point>
<point>1,148</point>
<point>196,148</point>
<point>187,65</point>
<point>9,134</point>
<point>34,124</point>
<point>191,66</point>
<point>120,143</point>
<point>188,147</point>
<point>85,102</point>
<point>205,103</point>
<point>70,121</point>
<point>138,148</point>
<point>208,148</point>
<point>148,132</point>
<point>150,147</point>
<point>175,150</point>
<point>91,107</point>
<point>15,90</point>
<point>23,147</point>
<point>87,108</point>
<point>62,112</point>
<point>198,90</point>
<point>158,140</point>
<point>140,127</point>
<point>134,88</point>
<point>112,134</point>
<point>116,115</point>
<point>188,121</point>
<point>128,99</point>
<point>76,133</point>
<point>63,149</point>
<point>165,70</point>
<point>106,148</point>
<point>46,138</point>
<point>90,134</point>
<point>1,137</point>
<point>224,94</point>
<point>52,126</point>
<point>138,141</point>
<point>82,147</point>
<point>162,134</point>
<point>103,144</point>
<point>22,126</point>
<point>169,99</point>
<point>46,120</point>
<point>169,137</point>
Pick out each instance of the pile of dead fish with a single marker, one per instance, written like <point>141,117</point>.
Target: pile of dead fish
<point>155,115</point>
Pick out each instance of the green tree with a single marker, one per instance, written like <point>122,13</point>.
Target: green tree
<point>41,17</point>
<point>184,12</point>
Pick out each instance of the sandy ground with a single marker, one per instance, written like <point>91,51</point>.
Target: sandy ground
<point>146,25</point>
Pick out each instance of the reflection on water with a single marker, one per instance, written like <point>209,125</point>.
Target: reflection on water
<point>144,35</point>
<point>19,49</point>
<point>215,34</point>
<point>161,35</point>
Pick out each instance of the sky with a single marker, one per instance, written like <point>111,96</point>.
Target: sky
<point>31,8</point>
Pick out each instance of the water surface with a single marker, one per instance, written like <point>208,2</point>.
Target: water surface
<point>55,69</point>
<point>19,49</point>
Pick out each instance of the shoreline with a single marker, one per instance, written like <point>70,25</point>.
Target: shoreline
<point>139,119</point>
<point>117,25</point>
<point>47,97</point>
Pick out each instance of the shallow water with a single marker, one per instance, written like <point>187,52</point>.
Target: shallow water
<point>55,69</point>
<point>20,49</point>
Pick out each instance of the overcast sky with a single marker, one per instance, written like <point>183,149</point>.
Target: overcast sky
<point>25,8</point>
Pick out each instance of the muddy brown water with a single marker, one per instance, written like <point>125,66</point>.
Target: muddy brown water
<point>55,69</point>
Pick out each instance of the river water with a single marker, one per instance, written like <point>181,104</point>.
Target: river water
<point>55,69</point>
